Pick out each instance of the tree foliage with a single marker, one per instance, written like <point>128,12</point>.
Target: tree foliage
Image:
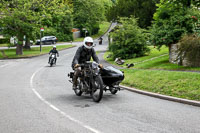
<point>143,10</point>
<point>89,13</point>
<point>128,39</point>
<point>172,20</point>
<point>25,17</point>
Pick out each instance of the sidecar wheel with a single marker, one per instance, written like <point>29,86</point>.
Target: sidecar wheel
<point>97,89</point>
<point>113,90</point>
<point>78,92</point>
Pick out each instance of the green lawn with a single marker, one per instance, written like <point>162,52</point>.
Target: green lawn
<point>179,84</point>
<point>11,53</point>
<point>4,45</point>
<point>154,73</point>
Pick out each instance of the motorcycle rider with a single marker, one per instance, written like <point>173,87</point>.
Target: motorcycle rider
<point>83,54</point>
<point>100,40</point>
<point>53,51</point>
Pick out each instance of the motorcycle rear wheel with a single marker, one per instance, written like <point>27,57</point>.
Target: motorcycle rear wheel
<point>97,89</point>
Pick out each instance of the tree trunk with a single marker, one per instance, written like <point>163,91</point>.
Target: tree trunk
<point>19,49</point>
<point>188,3</point>
<point>27,44</point>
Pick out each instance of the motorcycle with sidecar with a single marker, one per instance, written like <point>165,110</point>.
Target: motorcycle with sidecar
<point>93,80</point>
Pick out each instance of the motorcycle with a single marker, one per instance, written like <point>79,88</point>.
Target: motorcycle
<point>94,80</point>
<point>100,40</point>
<point>89,81</point>
<point>52,59</point>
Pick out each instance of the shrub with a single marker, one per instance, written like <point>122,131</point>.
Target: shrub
<point>4,40</point>
<point>128,39</point>
<point>189,49</point>
<point>61,36</point>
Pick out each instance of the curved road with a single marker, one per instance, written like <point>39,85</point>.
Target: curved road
<point>36,98</point>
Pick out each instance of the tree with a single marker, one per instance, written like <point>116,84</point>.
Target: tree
<point>61,22</point>
<point>143,10</point>
<point>25,17</point>
<point>88,14</point>
<point>172,20</point>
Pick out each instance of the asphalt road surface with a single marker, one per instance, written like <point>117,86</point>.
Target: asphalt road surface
<point>36,98</point>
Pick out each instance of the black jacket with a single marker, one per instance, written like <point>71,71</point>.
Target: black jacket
<point>83,54</point>
<point>53,51</point>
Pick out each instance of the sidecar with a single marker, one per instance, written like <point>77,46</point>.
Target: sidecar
<point>112,77</point>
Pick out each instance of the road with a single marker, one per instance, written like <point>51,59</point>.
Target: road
<point>36,98</point>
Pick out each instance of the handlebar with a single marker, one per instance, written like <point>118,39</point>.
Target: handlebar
<point>87,64</point>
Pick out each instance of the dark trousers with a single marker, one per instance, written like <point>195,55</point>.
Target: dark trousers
<point>50,58</point>
<point>77,71</point>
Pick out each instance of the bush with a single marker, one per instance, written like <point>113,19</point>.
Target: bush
<point>61,36</point>
<point>128,39</point>
<point>189,49</point>
<point>4,40</point>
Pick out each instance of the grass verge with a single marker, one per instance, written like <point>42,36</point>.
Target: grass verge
<point>34,51</point>
<point>4,45</point>
<point>179,84</point>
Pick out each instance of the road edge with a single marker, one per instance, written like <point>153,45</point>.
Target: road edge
<point>165,97</point>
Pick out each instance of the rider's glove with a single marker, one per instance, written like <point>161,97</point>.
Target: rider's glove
<point>101,66</point>
<point>77,65</point>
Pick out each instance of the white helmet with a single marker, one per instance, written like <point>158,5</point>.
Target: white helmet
<point>86,40</point>
<point>54,46</point>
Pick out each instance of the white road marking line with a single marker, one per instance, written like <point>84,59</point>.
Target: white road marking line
<point>4,65</point>
<point>57,109</point>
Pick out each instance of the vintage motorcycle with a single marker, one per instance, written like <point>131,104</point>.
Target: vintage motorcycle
<point>89,81</point>
<point>93,80</point>
<point>52,59</point>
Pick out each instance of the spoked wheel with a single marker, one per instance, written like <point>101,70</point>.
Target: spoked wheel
<point>97,89</point>
<point>113,90</point>
<point>78,91</point>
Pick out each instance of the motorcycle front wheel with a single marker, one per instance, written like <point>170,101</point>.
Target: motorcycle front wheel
<point>51,62</point>
<point>97,89</point>
<point>78,91</point>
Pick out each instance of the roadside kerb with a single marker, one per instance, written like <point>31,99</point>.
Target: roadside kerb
<point>170,98</point>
